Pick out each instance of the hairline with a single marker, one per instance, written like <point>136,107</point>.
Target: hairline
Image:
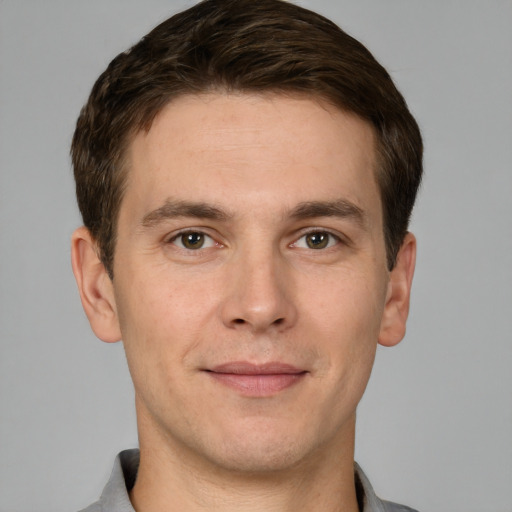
<point>122,162</point>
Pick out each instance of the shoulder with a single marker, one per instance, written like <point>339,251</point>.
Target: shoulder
<point>389,506</point>
<point>369,500</point>
<point>115,495</point>
<point>94,507</point>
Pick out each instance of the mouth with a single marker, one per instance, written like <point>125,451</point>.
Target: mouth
<point>257,380</point>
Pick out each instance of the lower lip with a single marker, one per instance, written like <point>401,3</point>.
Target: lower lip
<point>261,385</point>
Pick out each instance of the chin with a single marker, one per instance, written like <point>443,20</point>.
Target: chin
<point>259,459</point>
<point>265,450</point>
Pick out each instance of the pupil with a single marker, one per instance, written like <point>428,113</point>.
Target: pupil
<point>317,240</point>
<point>193,240</point>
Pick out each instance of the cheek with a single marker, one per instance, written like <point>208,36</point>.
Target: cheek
<point>161,320</point>
<point>347,305</point>
<point>346,317</point>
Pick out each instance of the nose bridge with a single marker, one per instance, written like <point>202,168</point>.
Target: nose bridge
<point>260,291</point>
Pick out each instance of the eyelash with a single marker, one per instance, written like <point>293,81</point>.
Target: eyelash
<point>182,234</point>
<point>331,241</point>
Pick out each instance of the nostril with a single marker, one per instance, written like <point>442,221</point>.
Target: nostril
<point>241,321</point>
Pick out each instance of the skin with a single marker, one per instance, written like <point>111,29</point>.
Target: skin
<point>258,180</point>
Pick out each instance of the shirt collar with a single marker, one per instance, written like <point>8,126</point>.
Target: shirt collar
<point>115,496</point>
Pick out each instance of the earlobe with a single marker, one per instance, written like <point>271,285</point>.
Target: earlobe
<point>95,287</point>
<point>396,309</point>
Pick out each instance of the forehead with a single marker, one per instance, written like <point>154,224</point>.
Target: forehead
<point>264,148</point>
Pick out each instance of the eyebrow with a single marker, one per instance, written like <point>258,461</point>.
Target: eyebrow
<point>173,209</point>
<point>341,208</point>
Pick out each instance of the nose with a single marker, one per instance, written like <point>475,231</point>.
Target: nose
<point>259,294</point>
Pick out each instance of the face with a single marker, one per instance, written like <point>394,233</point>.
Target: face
<point>250,283</point>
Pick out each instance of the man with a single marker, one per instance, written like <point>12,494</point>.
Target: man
<point>246,174</point>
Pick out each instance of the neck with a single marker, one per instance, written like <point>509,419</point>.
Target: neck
<point>172,478</point>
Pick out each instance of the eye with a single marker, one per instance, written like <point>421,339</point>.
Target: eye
<point>193,240</point>
<point>316,240</point>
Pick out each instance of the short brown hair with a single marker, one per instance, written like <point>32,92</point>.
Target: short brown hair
<point>242,46</point>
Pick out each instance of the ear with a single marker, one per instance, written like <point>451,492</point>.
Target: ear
<point>95,287</point>
<point>396,310</point>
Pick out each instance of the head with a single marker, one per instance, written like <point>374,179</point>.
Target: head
<point>269,46</point>
<point>246,174</point>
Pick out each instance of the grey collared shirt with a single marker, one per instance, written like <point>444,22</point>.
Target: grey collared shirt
<point>115,495</point>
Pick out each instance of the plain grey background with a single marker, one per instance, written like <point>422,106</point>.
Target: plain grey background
<point>435,426</point>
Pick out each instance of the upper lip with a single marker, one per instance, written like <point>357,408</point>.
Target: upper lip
<point>245,368</point>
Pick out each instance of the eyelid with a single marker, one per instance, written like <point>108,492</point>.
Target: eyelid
<point>171,239</point>
<point>339,238</point>
<point>301,233</point>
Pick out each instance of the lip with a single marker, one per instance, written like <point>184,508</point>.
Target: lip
<point>257,380</point>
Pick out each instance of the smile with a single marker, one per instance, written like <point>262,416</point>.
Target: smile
<point>257,380</point>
